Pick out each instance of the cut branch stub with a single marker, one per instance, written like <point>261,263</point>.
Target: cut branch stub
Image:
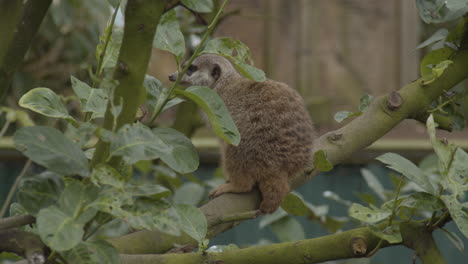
<point>394,101</point>
<point>359,246</point>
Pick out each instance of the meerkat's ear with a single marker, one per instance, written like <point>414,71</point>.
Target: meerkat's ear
<point>216,72</point>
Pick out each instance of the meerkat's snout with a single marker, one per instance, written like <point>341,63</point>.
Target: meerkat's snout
<point>173,77</point>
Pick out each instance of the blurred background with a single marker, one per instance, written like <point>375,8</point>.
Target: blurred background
<point>332,51</point>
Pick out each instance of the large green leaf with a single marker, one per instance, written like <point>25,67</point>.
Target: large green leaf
<point>36,193</point>
<point>202,6</point>
<point>457,177</point>
<point>50,148</point>
<point>422,201</point>
<point>288,229</point>
<point>180,154</point>
<point>109,60</point>
<point>408,169</point>
<point>74,200</point>
<point>92,100</point>
<point>169,37</point>
<point>44,101</point>
<point>94,252</point>
<point>137,142</point>
<point>239,55</point>
<point>368,215</point>
<point>189,193</point>
<point>57,229</point>
<point>192,221</point>
<point>439,11</point>
<point>153,191</point>
<point>216,110</point>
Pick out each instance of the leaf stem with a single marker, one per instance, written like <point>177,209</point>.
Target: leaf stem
<point>13,188</point>
<point>96,80</point>
<point>390,219</point>
<point>5,128</point>
<point>195,54</point>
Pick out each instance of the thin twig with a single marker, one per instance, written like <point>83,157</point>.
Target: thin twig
<point>13,188</point>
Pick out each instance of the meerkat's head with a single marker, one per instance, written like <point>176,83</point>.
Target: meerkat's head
<point>206,70</point>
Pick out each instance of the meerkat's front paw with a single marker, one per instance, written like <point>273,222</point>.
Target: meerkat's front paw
<point>223,188</point>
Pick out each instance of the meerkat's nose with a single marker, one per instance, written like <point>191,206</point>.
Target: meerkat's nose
<point>172,77</point>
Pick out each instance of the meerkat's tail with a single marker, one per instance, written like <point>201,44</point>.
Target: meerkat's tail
<point>273,192</point>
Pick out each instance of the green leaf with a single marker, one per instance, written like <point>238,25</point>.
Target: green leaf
<point>44,101</point>
<point>238,54</point>
<point>105,174</point>
<point>157,94</point>
<point>216,110</point>
<point>294,205</point>
<point>50,148</point>
<point>113,47</point>
<point>202,6</point>
<point>390,233</point>
<point>137,142</point>
<point>189,193</point>
<point>433,58</point>
<point>368,215</point>
<point>36,193</point>
<point>169,37</point>
<point>74,200</point>
<point>458,212</point>
<point>439,35</point>
<point>82,134</point>
<point>364,102</point>
<point>343,115</point>
<point>192,221</point>
<point>180,154</point>
<point>152,191</point>
<point>457,177</point>
<point>58,230</point>
<point>408,169</point>
<point>288,229</point>
<point>267,220</point>
<point>374,183</point>
<point>94,252</point>
<point>422,201</point>
<point>443,150</point>
<point>321,162</point>
<point>440,11</point>
<point>92,100</point>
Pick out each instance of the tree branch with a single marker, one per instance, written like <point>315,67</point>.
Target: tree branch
<point>380,117</point>
<point>16,221</point>
<point>13,49</point>
<point>141,20</point>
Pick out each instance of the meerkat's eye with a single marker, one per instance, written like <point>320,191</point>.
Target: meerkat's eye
<point>191,69</point>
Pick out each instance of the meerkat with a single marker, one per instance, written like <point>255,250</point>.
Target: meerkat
<point>276,130</point>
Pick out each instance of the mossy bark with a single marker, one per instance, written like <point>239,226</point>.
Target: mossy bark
<point>141,20</point>
<point>18,26</point>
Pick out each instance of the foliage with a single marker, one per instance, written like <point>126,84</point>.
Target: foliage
<point>73,199</point>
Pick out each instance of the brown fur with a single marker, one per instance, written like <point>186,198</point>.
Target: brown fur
<point>276,131</point>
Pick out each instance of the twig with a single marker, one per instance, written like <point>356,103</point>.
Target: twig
<point>13,188</point>
<point>16,221</point>
<point>236,217</point>
<point>189,62</point>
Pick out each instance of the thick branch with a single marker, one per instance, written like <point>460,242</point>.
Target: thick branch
<point>339,145</point>
<point>418,237</point>
<point>16,221</point>
<point>12,50</point>
<point>141,20</point>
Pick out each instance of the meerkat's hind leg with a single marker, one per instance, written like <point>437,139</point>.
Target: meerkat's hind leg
<point>273,192</point>
<point>233,186</point>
